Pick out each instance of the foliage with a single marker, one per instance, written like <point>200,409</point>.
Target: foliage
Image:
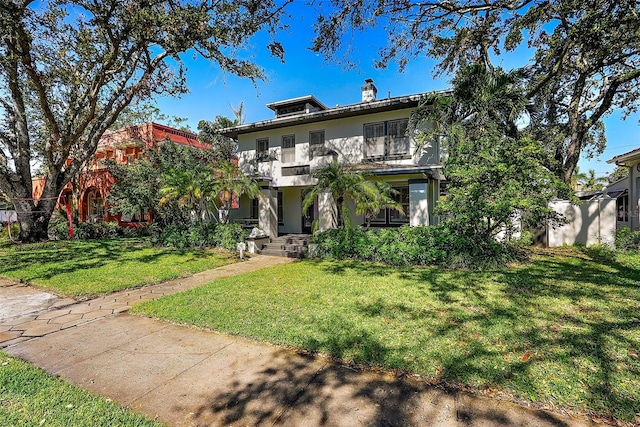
<point>560,331</point>
<point>29,395</point>
<point>68,69</point>
<point>342,181</point>
<point>494,168</point>
<point>224,236</point>
<point>618,173</point>
<point>591,182</point>
<point>224,147</point>
<point>627,240</point>
<point>374,196</point>
<point>88,268</point>
<point>229,185</point>
<point>405,246</point>
<point>585,56</point>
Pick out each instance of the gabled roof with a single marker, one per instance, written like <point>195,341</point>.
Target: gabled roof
<point>624,158</point>
<point>388,104</point>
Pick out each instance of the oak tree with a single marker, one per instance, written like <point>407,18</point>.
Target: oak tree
<point>584,55</point>
<point>68,68</point>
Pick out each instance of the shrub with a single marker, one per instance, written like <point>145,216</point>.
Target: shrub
<point>627,240</point>
<point>88,231</point>
<point>197,236</point>
<point>228,235</point>
<point>413,246</point>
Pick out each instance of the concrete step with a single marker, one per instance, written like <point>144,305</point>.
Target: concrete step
<point>281,253</point>
<point>284,247</point>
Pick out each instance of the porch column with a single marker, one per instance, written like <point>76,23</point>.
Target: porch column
<point>418,202</point>
<point>327,212</point>
<point>268,212</point>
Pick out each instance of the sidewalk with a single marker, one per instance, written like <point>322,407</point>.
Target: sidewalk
<point>188,377</point>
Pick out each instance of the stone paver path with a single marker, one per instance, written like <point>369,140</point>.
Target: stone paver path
<point>28,313</point>
<point>183,376</point>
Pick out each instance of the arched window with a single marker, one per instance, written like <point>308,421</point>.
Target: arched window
<point>95,206</point>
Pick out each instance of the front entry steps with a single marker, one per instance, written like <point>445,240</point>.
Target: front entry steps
<point>288,245</point>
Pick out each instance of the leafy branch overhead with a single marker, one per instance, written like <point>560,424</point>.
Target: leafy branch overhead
<point>584,56</point>
<point>68,69</point>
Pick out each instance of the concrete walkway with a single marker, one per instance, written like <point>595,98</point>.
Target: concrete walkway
<point>188,377</point>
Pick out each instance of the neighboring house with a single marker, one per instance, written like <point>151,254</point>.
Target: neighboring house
<point>123,146</point>
<point>627,190</point>
<point>281,153</point>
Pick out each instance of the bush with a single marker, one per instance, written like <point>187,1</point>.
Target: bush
<point>228,235</point>
<point>88,231</point>
<point>627,240</point>
<point>197,236</point>
<point>413,246</point>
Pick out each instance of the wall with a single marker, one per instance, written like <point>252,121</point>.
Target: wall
<point>589,223</point>
<point>343,136</point>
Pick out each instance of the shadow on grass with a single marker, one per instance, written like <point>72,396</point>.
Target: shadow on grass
<point>579,314</point>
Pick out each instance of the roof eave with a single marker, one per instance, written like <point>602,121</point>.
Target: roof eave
<point>388,104</point>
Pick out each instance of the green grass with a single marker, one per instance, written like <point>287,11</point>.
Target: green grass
<point>31,397</point>
<point>89,268</point>
<point>563,329</point>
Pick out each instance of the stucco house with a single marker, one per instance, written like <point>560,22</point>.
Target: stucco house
<point>89,191</point>
<point>627,191</point>
<point>282,152</point>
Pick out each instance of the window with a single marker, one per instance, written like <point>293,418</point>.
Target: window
<point>295,170</point>
<point>262,149</point>
<point>384,140</point>
<point>316,144</point>
<point>622,204</point>
<point>288,148</point>
<point>280,208</point>
<point>374,139</point>
<point>391,216</point>
<point>398,140</point>
<point>402,197</point>
<point>255,208</point>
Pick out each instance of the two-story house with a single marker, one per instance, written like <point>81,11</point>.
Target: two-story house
<point>282,152</point>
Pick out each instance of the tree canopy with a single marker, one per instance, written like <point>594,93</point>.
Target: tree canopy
<point>584,56</point>
<point>68,68</point>
<point>493,165</point>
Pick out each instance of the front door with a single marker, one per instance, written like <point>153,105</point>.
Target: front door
<point>309,215</point>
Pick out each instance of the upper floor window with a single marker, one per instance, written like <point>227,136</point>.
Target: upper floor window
<point>262,149</point>
<point>316,144</point>
<point>288,148</point>
<point>383,140</point>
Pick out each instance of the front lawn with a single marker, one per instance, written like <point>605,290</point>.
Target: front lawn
<point>31,397</point>
<point>89,268</point>
<point>563,330</point>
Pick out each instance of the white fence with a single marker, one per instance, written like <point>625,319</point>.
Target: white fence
<point>589,223</point>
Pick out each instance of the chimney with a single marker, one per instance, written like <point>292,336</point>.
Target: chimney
<point>369,91</point>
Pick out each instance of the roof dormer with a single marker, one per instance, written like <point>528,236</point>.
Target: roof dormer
<point>297,106</point>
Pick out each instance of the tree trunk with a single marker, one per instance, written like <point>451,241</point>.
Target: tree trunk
<point>34,219</point>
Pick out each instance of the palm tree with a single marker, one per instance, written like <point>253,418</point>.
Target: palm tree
<point>188,187</point>
<point>373,197</point>
<point>590,182</point>
<point>339,181</point>
<point>230,182</point>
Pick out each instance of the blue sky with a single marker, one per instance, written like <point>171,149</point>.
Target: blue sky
<point>214,92</point>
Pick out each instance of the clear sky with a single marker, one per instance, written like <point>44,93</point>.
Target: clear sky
<point>303,73</point>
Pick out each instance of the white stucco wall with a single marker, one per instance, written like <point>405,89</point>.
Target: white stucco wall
<point>343,136</point>
<point>589,223</point>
